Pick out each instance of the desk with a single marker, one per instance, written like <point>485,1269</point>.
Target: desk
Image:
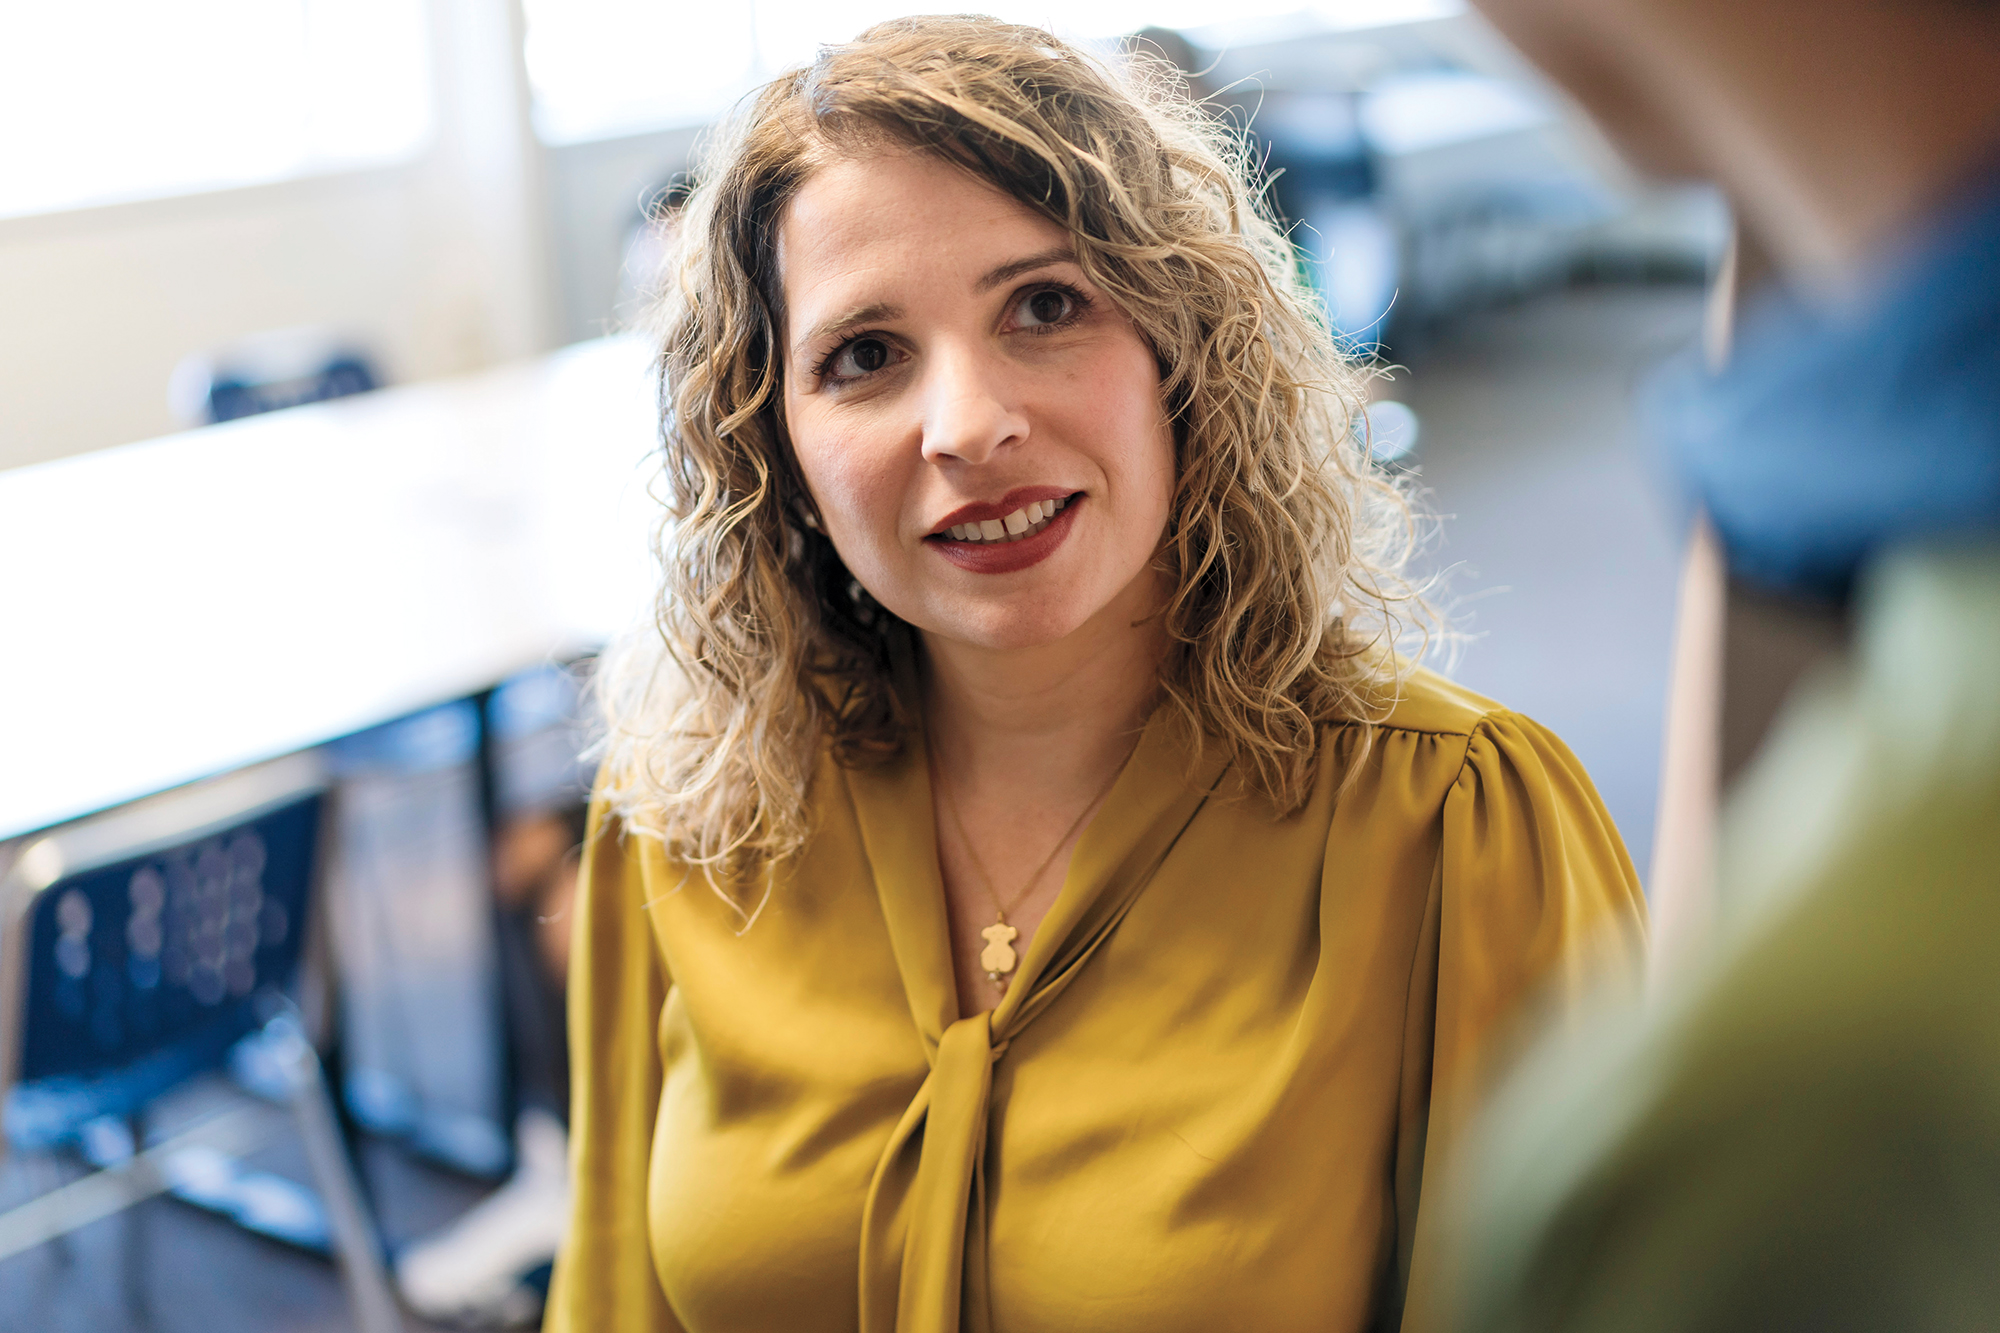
<point>184,606</point>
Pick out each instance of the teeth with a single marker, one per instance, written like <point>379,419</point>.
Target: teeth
<point>1023,522</point>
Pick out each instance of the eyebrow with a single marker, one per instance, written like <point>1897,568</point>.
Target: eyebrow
<point>826,328</point>
<point>881,310</point>
<point>1060,254</point>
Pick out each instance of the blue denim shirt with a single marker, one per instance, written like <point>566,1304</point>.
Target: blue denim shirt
<point>1829,439</point>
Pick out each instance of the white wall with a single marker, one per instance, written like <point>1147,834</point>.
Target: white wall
<point>440,265</point>
<point>101,305</point>
<point>595,191</point>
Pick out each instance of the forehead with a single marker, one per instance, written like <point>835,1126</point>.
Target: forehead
<point>871,229</point>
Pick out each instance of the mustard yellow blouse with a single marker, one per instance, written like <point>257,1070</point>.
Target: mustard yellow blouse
<point>1203,1104</point>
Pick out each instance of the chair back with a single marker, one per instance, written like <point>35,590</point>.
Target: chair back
<point>269,371</point>
<point>137,946</point>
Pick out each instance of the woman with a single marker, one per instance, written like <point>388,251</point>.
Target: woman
<point>1028,893</point>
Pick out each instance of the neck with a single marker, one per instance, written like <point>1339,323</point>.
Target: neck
<point>1836,126</point>
<point>1066,712</point>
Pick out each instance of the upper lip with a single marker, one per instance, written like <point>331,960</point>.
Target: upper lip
<point>1019,498</point>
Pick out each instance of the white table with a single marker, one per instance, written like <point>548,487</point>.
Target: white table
<point>184,606</point>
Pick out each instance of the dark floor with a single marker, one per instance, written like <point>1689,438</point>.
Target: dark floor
<point>1559,537</point>
<point>198,1274</point>
<point>1565,574</point>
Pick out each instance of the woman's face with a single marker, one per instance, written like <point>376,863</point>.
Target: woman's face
<point>980,427</point>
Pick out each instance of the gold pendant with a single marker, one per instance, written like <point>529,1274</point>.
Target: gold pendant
<point>998,956</point>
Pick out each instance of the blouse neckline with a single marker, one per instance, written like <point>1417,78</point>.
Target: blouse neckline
<point>1128,836</point>
<point>922,1244</point>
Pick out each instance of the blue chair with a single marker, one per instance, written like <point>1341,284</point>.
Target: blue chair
<point>234,394</point>
<point>267,372</point>
<point>144,946</point>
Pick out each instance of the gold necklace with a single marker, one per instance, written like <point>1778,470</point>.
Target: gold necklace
<point>998,957</point>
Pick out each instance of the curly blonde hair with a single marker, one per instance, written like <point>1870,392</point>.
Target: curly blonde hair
<point>1284,548</point>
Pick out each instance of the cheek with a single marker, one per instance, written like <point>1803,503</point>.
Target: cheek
<point>1133,416</point>
<point>847,478</point>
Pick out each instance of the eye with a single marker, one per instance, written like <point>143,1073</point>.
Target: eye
<point>1046,307</point>
<point>860,358</point>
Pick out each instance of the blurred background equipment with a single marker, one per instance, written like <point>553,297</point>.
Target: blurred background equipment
<point>491,1266</point>
<point>1425,172</point>
<point>414,938</point>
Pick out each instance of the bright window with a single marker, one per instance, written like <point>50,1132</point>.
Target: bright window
<point>128,99</point>
<point>606,67</point>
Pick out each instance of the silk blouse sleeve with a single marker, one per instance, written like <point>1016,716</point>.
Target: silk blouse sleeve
<point>1540,904</point>
<point>605,1281</point>
<point>1535,914</point>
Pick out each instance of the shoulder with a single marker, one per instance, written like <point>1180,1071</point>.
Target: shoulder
<point>1437,743</point>
<point>1432,732</point>
<point>1509,800</point>
<point>1425,702</point>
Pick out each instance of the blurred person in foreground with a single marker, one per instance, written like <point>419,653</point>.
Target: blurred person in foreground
<point>1026,890</point>
<point>1805,1134</point>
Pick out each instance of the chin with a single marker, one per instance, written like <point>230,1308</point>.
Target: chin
<point>1028,618</point>
<point>1005,632</point>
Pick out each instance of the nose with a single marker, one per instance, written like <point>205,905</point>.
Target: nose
<point>969,414</point>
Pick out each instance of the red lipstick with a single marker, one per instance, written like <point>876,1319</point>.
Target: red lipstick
<point>1004,557</point>
<point>1018,498</point>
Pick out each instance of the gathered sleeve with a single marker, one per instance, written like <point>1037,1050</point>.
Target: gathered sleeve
<point>1540,909</point>
<point>604,1279</point>
<point>1534,914</point>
